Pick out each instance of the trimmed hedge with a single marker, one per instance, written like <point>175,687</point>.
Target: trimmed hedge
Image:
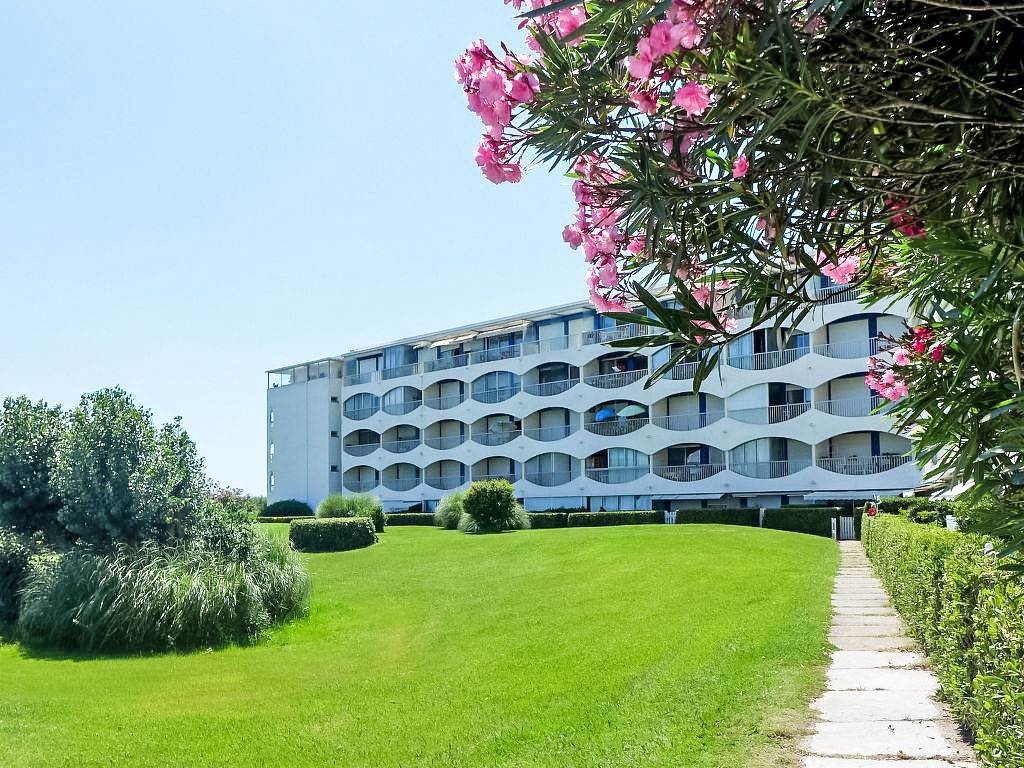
<point>967,613</point>
<point>332,534</point>
<point>813,520</point>
<point>549,519</point>
<point>14,559</point>
<point>566,510</point>
<point>625,517</point>
<point>410,518</point>
<point>746,516</point>
<point>288,508</point>
<point>917,509</point>
<point>288,519</point>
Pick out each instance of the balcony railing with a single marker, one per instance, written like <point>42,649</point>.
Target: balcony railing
<point>772,414</point>
<point>494,353</point>
<point>549,479</point>
<point>400,483</point>
<point>547,388</point>
<point>400,446</point>
<point>682,371</point>
<point>443,402</point>
<point>741,311</point>
<point>614,427</point>
<point>496,438</point>
<point>360,413</point>
<point>604,335</point>
<point>445,442</point>
<point>496,395</point>
<point>512,477</point>
<point>688,473</point>
<point>837,294</point>
<point>616,379</point>
<point>850,350</point>
<point>768,470</point>
<point>763,361</point>
<point>546,434</point>
<point>862,465</point>
<point>617,474</point>
<point>400,409</point>
<point>354,379</point>
<point>359,486</point>
<point>686,421</point>
<point>361,449</point>
<point>410,369</point>
<point>545,345</point>
<point>446,363</point>
<point>445,482</point>
<point>854,406</point>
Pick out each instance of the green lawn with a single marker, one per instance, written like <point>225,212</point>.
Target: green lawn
<point>693,646</point>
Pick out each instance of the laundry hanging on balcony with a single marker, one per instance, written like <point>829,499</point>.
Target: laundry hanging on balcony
<point>604,414</point>
<point>632,410</point>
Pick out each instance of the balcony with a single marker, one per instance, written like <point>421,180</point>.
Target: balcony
<point>354,379</point>
<point>496,395</point>
<point>402,370</point>
<point>446,363</point>
<point>361,449</point>
<point>400,483</point>
<point>604,335</point>
<point>614,427</point>
<point>495,353</point>
<point>547,434</point>
<point>682,371</point>
<point>857,465</point>
<point>548,388</point>
<point>443,402</point>
<point>400,446</point>
<point>763,361</point>
<point>616,379</point>
<point>445,482</point>
<point>769,470</point>
<point>400,409</point>
<point>444,443</point>
<point>613,475</point>
<point>686,421</point>
<point>512,477</point>
<point>688,473</point>
<point>851,350</point>
<point>549,479</point>
<point>837,294</point>
<point>545,345</point>
<point>359,486</point>
<point>772,414</point>
<point>360,413</point>
<point>850,407</point>
<point>496,438</point>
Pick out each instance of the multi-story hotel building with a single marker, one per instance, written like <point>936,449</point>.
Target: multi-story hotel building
<point>541,399</point>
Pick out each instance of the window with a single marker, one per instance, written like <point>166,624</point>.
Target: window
<point>334,433</point>
<point>271,480</point>
<point>334,467</point>
<point>271,418</point>
<point>271,451</point>
<point>334,399</point>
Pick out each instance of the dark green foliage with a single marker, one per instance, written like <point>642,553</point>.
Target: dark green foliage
<point>565,510</point>
<point>490,506</point>
<point>813,520</point>
<point>548,519</point>
<point>28,441</point>
<point>967,613</point>
<point>626,517</point>
<point>14,557</point>
<point>288,508</point>
<point>354,505</point>
<point>718,516</point>
<point>332,534</point>
<point>236,499</point>
<point>449,510</point>
<point>283,519</point>
<point>159,598</point>
<point>410,518</point>
<point>917,509</point>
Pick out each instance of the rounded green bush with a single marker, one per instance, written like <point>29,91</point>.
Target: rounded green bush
<point>490,506</point>
<point>332,534</point>
<point>288,508</point>
<point>357,505</point>
<point>449,510</point>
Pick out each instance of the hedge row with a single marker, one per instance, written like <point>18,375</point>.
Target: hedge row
<point>332,534</point>
<point>967,613</point>
<point>917,509</point>
<point>410,518</point>
<point>639,517</point>
<point>548,519</point>
<point>288,508</point>
<point>813,520</point>
<point>718,516</point>
<point>282,519</point>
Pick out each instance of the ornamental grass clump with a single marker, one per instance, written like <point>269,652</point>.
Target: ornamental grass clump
<point>490,506</point>
<point>356,505</point>
<point>449,510</point>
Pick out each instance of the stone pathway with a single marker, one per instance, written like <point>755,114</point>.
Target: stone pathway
<point>878,709</point>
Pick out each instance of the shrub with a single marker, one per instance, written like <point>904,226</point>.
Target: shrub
<point>718,516</point>
<point>14,557</point>
<point>449,510</point>
<point>813,520</point>
<point>28,444</point>
<point>410,518</point>
<point>626,517</point>
<point>490,506</point>
<point>288,508</point>
<point>548,519</point>
<point>967,614</point>
<point>566,510</point>
<point>332,534</point>
<point>281,519</point>
<point>237,500</point>
<point>355,505</point>
<point>917,509</point>
<point>159,598</point>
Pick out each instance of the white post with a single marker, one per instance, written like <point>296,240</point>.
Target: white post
<point>835,537</point>
<point>760,517</point>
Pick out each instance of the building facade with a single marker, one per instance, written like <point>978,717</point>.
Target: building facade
<point>542,400</point>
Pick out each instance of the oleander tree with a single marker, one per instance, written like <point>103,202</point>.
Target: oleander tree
<point>730,151</point>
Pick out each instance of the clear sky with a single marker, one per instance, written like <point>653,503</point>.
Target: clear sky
<point>194,192</point>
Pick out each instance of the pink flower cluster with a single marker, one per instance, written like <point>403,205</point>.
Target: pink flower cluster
<point>843,271</point>
<point>904,222</point>
<point>558,24</point>
<point>493,88</point>
<point>887,383</point>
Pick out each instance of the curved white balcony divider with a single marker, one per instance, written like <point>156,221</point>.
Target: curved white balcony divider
<point>604,335</point>
<point>850,350</point>
<point>444,482</point>
<point>617,379</point>
<point>359,486</point>
<point>687,421</point>
<point>547,388</point>
<point>360,413</point>
<point>399,446</point>
<point>361,449</point>
<point>400,483</point>
<point>837,294</point>
<point>614,427</point>
<point>354,379</point>
<point>444,363</point>
<point>617,474</point>
<point>768,470</point>
<point>512,477</point>
<point>853,406</point>
<point>862,465</point>
<point>547,434</point>
<point>495,395</point>
<point>772,414</point>
<point>688,473</point>
<point>444,443</point>
<point>495,353</point>
<point>549,479</point>
<point>763,361</point>
<point>400,409</point>
<point>545,345</point>
<point>444,402</point>
<point>682,371</point>
<point>495,438</point>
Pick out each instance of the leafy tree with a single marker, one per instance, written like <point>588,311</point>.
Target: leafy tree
<point>28,438</point>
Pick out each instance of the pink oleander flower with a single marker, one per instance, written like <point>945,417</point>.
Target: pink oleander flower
<point>640,66</point>
<point>491,85</point>
<point>636,246</point>
<point>937,352</point>
<point>665,37</point>
<point>688,34</point>
<point>740,166</point>
<point>693,97</point>
<point>523,87</point>
<point>606,304</point>
<point>843,271</point>
<point>645,99</point>
<point>900,356</point>
<point>492,156</point>
<point>572,235</point>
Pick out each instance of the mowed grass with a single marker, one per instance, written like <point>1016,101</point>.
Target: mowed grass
<point>691,646</point>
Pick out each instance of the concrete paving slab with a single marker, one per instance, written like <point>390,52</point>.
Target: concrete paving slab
<point>885,679</point>
<point>864,706</point>
<point>860,610</point>
<point>893,622</point>
<point>863,630</point>
<point>814,761</point>
<point>881,738</point>
<point>884,643</point>
<point>875,659</point>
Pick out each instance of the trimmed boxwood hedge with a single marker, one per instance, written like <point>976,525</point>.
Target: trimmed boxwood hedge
<point>332,534</point>
<point>549,519</point>
<point>746,516</point>
<point>288,508</point>
<point>625,517</point>
<point>410,518</point>
<point>813,520</point>
<point>967,613</point>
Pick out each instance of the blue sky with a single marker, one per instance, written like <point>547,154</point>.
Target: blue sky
<point>195,192</point>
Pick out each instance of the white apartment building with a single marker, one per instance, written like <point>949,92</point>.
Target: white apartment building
<point>542,400</point>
